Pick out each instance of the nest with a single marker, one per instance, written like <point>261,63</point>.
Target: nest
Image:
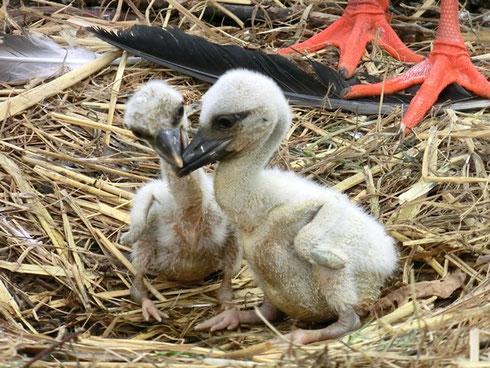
<point>69,169</point>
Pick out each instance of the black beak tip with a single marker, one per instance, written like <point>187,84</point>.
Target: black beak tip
<point>201,152</point>
<point>169,146</point>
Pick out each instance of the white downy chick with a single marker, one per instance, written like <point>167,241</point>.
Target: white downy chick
<point>316,255</point>
<point>177,228</point>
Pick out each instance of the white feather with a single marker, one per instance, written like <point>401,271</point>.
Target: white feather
<point>37,56</point>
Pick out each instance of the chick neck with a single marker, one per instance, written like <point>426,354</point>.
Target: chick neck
<point>186,190</point>
<point>240,190</point>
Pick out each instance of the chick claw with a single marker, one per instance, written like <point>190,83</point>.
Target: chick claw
<point>229,319</point>
<point>348,322</point>
<point>149,309</point>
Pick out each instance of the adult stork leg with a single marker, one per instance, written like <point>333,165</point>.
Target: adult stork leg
<point>448,62</point>
<point>363,21</point>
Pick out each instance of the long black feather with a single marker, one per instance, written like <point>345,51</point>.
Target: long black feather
<point>207,61</point>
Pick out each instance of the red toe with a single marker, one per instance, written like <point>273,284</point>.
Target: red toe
<point>363,21</point>
<point>448,62</point>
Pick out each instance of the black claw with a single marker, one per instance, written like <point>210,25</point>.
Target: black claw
<point>344,73</point>
<point>345,91</point>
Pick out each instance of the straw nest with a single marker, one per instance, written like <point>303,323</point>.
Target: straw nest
<point>69,169</point>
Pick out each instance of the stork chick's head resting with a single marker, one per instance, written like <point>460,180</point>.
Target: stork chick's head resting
<point>239,114</point>
<point>156,114</point>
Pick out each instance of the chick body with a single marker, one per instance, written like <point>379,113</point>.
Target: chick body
<point>181,244</point>
<point>177,229</point>
<point>296,283</point>
<point>315,254</point>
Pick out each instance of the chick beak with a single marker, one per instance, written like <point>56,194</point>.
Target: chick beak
<point>202,151</point>
<point>169,146</point>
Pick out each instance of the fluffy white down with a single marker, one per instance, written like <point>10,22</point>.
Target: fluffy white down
<point>160,235</point>
<point>177,228</point>
<point>152,106</point>
<point>362,237</point>
<point>235,87</point>
<point>310,263</point>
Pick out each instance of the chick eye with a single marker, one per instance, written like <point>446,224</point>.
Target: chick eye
<point>225,122</point>
<point>180,111</point>
<point>140,134</point>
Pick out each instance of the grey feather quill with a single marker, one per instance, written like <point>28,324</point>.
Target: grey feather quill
<point>37,56</point>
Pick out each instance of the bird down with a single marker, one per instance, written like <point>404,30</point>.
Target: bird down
<point>177,229</point>
<point>316,255</point>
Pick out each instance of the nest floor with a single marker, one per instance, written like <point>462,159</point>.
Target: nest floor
<point>69,170</point>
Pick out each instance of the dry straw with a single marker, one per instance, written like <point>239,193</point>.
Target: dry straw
<point>69,169</point>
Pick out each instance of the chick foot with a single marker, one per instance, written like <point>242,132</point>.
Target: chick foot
<point>137,291</point>
<point>149,309</point>
<point>229,319</point>
<point>232,318</point>
<point>363,21</point>
<point>449,62</point>
<point>348,321</point>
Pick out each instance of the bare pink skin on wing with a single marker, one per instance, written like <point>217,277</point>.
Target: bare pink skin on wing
<point>449,62</point>
<point>363,21</point>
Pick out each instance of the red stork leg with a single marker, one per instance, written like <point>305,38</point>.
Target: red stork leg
<point>448,62</point>
<point>363,21</point>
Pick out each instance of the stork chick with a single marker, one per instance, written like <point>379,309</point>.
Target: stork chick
<point>177,229</point>
<point>316,255</point>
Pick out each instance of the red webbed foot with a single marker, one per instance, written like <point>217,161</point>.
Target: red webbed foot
<point>363,21</point>
<point>448,63</point>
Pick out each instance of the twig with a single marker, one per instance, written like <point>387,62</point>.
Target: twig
<point>53,346</point>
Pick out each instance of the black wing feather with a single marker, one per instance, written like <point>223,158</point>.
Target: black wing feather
<point>207,61</point>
